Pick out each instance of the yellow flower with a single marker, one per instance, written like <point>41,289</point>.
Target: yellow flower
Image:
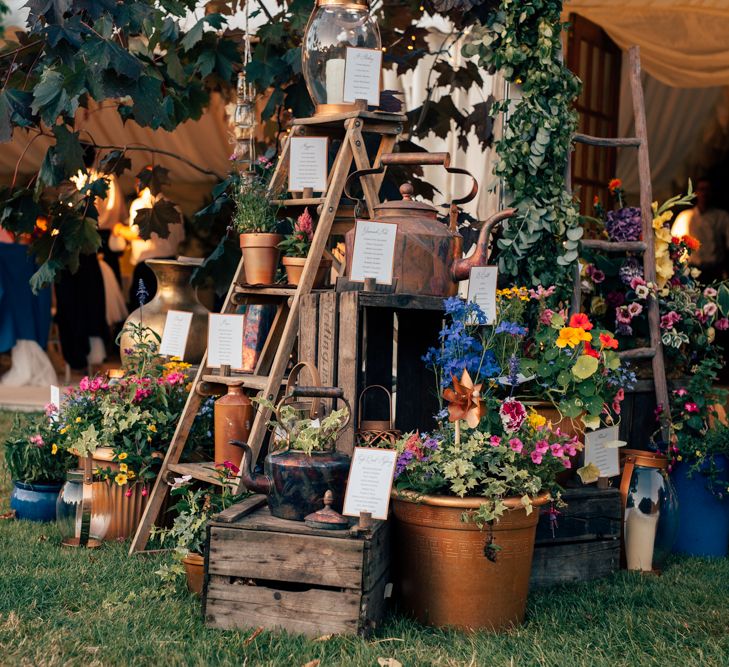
<point>664,234</point>
<point>123,467</point>
<point>122,456</point>
<point>152,428</point>
<point>697,452</point>
<point>598,305</point>
<point>63,430</point>
<point>131,474</point>
<point>121,479</point>
<point>54,448</point>
<point>149,438</point>
<point>654,206</point>
<point>572,337</point>
<point>536,420</point>
<point>679,458</point>
<point>78,420</point>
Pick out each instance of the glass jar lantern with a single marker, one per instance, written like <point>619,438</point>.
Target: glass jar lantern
<point>333,26</point>
<point>650,510</point>
<point>83,509</point>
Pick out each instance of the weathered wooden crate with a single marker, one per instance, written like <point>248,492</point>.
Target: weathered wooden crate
<point>359,338</point>
<point>261,571</point>
<point>585,544</point>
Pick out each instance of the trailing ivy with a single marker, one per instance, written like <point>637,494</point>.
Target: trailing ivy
<point>522,39</point>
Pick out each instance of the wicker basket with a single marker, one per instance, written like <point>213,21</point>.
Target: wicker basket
<point>376,432</point>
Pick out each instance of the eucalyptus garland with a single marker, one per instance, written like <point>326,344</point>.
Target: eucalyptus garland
<point>522,39</point>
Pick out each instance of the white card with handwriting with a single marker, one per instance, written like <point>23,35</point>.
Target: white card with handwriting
<point>374,252</point>
<point>225,340</point>
<point>174,336</point>
<point>482,290</point>
<point>308,163</point>
<point>370,482</point>
<point>601,449</point>
<point>362,75</point>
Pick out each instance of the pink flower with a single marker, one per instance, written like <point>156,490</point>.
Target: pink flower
<point>495,440</point>
<point>635,309</point>
<point>616,407</point>
<point>84,384</point>
<point>570,449</point>
<point>710,293</point>
<point>541,446</point>
<point>566,463</point>
<point>670,319</point>
<point>722,324</point>
<point>51,409</point>
<point>541,292</point>
<point>680,392</point>
<point>512,413</point>
<point>636,282</point>
<point>516,444</point>
<point>144,491</point>
<point>305,224</point>
<point>622,315</point>
<point>229,465</point>
<point>140,394</point>
<point>36,440</point>
<point>546,316</point>
<point>557,450</point>
<point>598,276</point>
<point>128,493</point>
<point>536,457</point>
<point>691,407</point>
<point>620,395</point>
<point>710,309</point>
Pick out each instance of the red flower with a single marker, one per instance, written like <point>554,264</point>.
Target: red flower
<point>607,340</point>
<point>691,407</point>
<point>614,185</point>
<point>690,242</point>
<point>590,351</point>
<point>580,321</point>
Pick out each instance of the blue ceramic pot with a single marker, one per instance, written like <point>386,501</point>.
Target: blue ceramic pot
<point>703,527</point>
<point>35,502</point>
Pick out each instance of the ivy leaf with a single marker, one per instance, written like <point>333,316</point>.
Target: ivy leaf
<point>585,367</point>
<point>195,34</point>
<point>114,162</point>
<point>723,299</point>
<point>154,178</point>
<point>157,220</point>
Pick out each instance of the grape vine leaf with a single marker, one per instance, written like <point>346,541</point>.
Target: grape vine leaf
<point>157,220</point>
<point>153,178</point>
<point>114,162</point>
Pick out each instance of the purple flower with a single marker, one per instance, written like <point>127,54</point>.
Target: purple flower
<point>630,270</point>
<point>142,293</point>
<point>624,224</point>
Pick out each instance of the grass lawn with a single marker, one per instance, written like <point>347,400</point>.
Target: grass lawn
<point>66,607</point>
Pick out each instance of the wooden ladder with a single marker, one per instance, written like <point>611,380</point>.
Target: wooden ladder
<point>350,128</point>
<point>654,351</point>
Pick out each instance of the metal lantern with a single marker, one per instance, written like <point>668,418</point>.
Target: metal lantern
<point>376,432</point>
<point>83,509</point>
<point>333,26</point>
<point>650,510</point>
<point>244,117</point>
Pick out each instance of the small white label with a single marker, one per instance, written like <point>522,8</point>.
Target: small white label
<point>308,163</point>
<point>225,340</point>
<point>482,290</point>
<point>370,482</point>
<point>601,449</point>
<point>362,75</point>
<point>55,401</point>
<point>374,252</point>
<point>174,336</point>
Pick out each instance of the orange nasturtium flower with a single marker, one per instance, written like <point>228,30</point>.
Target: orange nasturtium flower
<point>614,184</point>
<point>691,242</point>
<point>606,340</point>
<point>580,321</point>
<point>572,337</point>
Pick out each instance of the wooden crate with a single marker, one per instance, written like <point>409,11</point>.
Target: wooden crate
<point>359,338</point>
<point>586,540</point>
<point>261,571</point>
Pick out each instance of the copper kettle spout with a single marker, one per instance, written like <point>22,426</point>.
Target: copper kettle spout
<point>462,267</point>
<point>255,483</point>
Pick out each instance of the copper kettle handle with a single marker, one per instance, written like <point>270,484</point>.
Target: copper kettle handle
<point>416,159</point>
<point>316,379</point>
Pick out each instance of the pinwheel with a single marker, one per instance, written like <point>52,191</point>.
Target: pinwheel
<point>464,400</point>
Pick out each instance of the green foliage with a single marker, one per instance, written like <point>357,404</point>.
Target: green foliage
<point>255,213</point>
<point>523,41</point>
<point>32,454</point>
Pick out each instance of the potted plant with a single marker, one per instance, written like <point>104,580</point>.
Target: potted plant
<point>699,464</point>
<point>256,222</point>
<point>188,533</point>
<point>37,466</point>
<point>296,246</point>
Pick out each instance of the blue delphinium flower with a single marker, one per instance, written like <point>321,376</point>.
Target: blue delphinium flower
<point>511,328</point>
<point>142,293</point>
<point>513,370</point>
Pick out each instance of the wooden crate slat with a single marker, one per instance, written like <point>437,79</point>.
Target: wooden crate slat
<point>309,559</point>
<point>349,362</point>
<point>327,342</point>
<point>567,563</point>
<point>309,329</point>
<point>327,612</point>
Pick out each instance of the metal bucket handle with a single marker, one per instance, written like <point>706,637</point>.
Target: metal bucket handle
<point>360,409</point>
<point>293,378</point>
<point>414,160</point>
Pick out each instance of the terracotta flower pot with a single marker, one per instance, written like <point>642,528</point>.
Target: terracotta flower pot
<point>260,257</point>
<point>295,266</point>
<point>194,570</point>
<point>445,578</point>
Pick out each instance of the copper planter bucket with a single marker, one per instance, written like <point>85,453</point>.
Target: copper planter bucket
<point>443,574</point>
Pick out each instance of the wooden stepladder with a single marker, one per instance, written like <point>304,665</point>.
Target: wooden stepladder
<point>350,129</point>
<point>645,247</point>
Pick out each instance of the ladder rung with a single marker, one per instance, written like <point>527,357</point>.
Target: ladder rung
<point>247,380</point>
<point>608,142</point>
<point>204,472</point>
<point>309,201</point>
<point>614,246</point>
<point>264,290</point>
<point>638,353</point>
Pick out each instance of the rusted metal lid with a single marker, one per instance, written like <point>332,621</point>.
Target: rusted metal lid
<point>407,203</point>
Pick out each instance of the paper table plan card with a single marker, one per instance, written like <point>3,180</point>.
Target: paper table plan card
<point>374,252</point>
<point>362,75</point>
<point>370,482</point>
<point>601,449</point>
<point>482,289</point>
<point>174,336</point>
<point>308,163</point>
<point>225,340</point>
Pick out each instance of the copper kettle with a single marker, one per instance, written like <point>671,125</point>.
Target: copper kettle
<point>428,255</point>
